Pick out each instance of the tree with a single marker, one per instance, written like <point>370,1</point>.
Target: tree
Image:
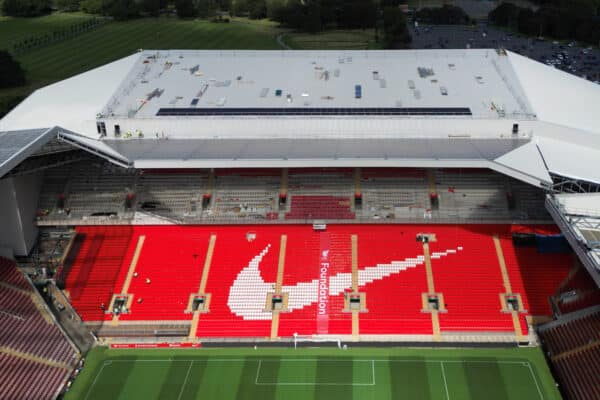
<point>505,14</point>
<point>92,6</point>
<point>67,5</point>
<point>151,7</point>
<point>395,30</point>
<point>11,73</point>
<point>445,15</point>
<point>185,9</point>
<point>26,8</point>
<point>357,14</point>
<point>121,9</point>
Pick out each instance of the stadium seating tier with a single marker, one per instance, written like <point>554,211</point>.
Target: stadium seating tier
<point>391,273</point>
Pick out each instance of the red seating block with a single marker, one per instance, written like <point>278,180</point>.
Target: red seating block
<point>240,277</point>
<point>320,207</point>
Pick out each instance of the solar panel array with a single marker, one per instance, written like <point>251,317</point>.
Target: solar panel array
<point>328,111</point>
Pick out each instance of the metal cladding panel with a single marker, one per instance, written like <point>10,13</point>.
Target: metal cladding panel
<point>312,149</point>
<point>16,146</point>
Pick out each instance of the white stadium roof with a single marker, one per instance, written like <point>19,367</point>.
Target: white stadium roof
<point>446,108</point>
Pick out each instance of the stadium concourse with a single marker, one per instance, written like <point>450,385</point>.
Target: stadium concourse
<point>180,198</point>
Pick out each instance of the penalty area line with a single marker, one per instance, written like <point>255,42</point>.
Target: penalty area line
<point>185,380</point>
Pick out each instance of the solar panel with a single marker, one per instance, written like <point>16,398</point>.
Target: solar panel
<point>314,111</point>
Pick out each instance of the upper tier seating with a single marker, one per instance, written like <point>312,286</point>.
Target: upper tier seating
<point>172,194</point>
<point>472,194</point>
<point>98,188</point>
<point>394,194</point>
<point>320,207</point>
<point>243,196</point>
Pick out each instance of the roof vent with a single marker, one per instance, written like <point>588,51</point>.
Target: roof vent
<point>336,72</point>
<point>425,72</point>
<point>223,83</point>
<point>155,93</point>
<point>376,75</point>
<point>202,90</point>
<point>357,91</point>
<point>221,102</point>
<point>417,94</point>
<point>411,84</point>
<point>194,69</point>
<point>382,83</point>
<point>264,92</point>
<point>443,91</point>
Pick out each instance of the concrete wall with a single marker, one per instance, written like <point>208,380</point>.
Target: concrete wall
<point>18,206</point>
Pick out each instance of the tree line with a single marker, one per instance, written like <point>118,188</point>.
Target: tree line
<point>560,19</point>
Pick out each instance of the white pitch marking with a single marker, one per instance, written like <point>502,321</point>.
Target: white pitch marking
<point>445,382</point>
<point>95,379</point>
<point>185,380</point>
<point>535,380</point>
<point>258,372</point>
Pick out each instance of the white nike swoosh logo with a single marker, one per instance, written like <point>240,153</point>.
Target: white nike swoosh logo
<point>248,293</point>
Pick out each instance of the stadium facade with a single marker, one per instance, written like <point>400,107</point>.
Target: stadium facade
<point>343,158</point>
<point>269,109</point>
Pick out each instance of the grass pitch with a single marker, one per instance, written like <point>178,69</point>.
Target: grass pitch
<point>358,373</point>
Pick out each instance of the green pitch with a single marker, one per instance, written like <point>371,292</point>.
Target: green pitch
<point>357,373</point>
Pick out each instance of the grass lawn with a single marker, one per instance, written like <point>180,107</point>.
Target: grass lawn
<point>357,373</point>
<point>333,40</point>
<point>13,30</point>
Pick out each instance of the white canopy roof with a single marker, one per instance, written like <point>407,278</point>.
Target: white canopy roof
<point>558,124</point>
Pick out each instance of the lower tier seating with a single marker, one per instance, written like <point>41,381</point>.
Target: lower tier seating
<point>92,278</point>
<point>574,351</point>
<point>316,277</point>
<point>35,356</point>
<point>28,380</point>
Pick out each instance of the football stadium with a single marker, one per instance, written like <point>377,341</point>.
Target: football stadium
<point>411,224</point>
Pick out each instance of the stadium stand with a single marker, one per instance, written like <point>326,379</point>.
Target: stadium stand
<point>82,190</point>
<point>470,307</point>
<point>238,306</point>
<point>28,380</point>
<point>394,303</point>
<point>247,194</point>
<point>573,346</point>
<point>36,358</point>
<point>92,278</point>
<point>472,194</point>
<point>577,292</point>
<point>172,275</point>
<point>393,194</point>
